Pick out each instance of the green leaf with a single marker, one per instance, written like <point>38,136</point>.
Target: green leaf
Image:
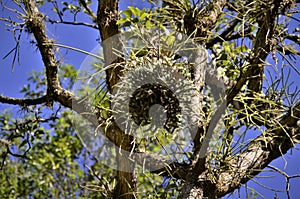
<point>55,10</point>
<point>136,12</point>
<point>127,13</point>
<point>240,49</point>
<point>149,24</point>
<point>121,21</point>
<point>170,40</point>
<point>127,23</point>
<point>65,3</point>
<point>144,15</point>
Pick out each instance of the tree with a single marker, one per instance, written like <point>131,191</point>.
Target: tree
<point>240,37</point>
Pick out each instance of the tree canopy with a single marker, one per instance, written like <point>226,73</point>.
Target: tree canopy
<point>181,99</point>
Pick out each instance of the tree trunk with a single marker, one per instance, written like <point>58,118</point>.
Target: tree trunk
<point>107,16</point>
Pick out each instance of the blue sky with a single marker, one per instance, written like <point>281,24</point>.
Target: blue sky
<point>86,39</point>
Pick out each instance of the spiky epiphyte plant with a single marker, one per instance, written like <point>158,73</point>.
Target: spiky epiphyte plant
<point>153,94</point>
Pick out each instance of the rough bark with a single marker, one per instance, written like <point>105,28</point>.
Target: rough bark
<point>200,26</point>
<point>107,16</point>
<point>260,152</point>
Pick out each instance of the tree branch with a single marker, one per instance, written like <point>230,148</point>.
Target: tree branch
<point>261,49</point>
<point>23,102</point>
<point>223,36</point>
<point>287,50</point>
<point>35,24</point>
<point>293,37</point>
<point>162,166</point>
<point>54,90</point>
<point>89,11</point>
<point>107,17</point>
<point>262,43</point>
<point>73,23</point>
<point>260,153</point>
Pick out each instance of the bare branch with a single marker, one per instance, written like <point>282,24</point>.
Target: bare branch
<point>37,27</point>
<point>224,35</point>
<point>294,38</point>
<point>287,51</point>
<point>73,23</point>
<point>287,178</point>
<point>54,90</point>
<point>23,102</point>
<point>89,11</point>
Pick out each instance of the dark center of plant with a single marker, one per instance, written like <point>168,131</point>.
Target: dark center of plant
<point>144,109</point>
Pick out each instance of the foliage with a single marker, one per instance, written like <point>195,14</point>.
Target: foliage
<point>44,157</point>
